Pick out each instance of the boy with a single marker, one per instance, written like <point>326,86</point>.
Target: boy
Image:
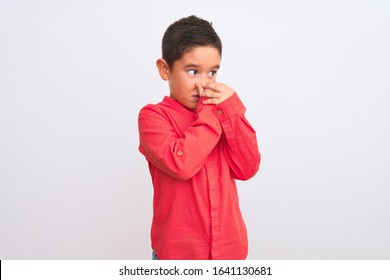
<point>197,142</point>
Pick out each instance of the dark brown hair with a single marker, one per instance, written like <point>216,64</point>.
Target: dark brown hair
<point>186,34</point>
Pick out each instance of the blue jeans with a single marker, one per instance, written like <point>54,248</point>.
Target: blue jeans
<point>154,256</point>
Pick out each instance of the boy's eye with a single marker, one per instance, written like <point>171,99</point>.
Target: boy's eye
<point>212,73</point>
<point>192,72</point>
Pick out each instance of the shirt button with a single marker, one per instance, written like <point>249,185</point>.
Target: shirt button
<point>219,112</point>
<point>179,153</point>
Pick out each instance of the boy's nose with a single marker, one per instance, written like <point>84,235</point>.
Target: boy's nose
<point>204,79</point>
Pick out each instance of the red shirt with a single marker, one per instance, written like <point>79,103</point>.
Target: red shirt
<point>194,158</point>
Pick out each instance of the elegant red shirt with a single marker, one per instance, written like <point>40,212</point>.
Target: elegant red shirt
<point>194,158</point>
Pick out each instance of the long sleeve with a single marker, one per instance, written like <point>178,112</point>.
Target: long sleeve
<point>240,147</point>
<point>180,156</point>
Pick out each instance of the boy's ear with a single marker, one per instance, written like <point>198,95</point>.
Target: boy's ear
<point>163,68</point>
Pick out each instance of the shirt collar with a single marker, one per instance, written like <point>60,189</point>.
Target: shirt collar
<point>173,103</point>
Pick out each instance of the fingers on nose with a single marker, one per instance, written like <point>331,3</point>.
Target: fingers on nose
<point>199,87</point>
<point>205,79</point>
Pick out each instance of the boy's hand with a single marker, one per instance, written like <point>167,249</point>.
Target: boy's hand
<point>215,92</point>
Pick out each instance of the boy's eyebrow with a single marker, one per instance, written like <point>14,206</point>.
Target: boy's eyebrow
<point>192,65</point>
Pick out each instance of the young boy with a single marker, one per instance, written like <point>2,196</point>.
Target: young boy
<point>197,142</point>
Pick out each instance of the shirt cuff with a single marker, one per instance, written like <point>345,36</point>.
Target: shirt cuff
<point>230,107</point>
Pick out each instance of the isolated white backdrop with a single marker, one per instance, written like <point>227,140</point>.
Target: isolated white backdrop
<point>314,76</point>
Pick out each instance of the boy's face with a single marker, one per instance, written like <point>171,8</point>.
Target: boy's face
<point>199,65</point>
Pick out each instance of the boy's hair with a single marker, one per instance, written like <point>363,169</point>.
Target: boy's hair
<point>186,34</point>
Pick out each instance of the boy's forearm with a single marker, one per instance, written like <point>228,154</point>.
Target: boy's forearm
<point>240,141</point>
<point>180,157</point>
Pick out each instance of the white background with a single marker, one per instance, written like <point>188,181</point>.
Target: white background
<point>314,76</point>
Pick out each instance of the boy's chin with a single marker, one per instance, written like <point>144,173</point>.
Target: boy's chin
<point>190,105</point>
